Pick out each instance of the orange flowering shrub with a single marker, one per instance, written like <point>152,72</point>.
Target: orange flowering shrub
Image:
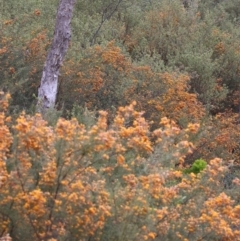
<point>106,79</point>
<point>167,95</point>
<point>109,182</point>
<point>98,80</point>
<point>49,172</point>
<point>219,137</point>
<point>21,66</point>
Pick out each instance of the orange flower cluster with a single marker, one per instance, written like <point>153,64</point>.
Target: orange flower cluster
<point>106,79</point>
<point>69,182</point>
<point>36,46</point>
<point>221,135</point>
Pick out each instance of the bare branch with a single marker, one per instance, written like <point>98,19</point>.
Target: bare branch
<point>105,17</point>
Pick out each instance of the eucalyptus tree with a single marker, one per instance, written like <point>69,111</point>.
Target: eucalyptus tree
<point>47,91</point>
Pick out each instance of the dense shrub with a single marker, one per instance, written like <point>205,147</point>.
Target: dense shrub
<point>107,79</point>
<point>108,182</point>
<point>200,40</point>
<point>108,172</point>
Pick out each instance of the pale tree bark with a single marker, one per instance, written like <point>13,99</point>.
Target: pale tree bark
<point>47,91</point>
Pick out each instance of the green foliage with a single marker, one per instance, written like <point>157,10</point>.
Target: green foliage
<point>197,38</point>
<point>83,115</point>
<point>198,166</point>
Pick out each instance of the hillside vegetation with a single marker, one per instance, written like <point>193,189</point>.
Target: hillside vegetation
<point>144,141</point>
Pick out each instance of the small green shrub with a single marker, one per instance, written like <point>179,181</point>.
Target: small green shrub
<point>198,166</point>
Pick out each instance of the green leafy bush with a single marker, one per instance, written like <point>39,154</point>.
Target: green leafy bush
<point>198,166</point>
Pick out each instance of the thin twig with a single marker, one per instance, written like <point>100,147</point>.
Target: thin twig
<point>105,17</point>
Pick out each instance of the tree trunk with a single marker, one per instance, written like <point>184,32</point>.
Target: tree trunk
<point>47,91</point>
